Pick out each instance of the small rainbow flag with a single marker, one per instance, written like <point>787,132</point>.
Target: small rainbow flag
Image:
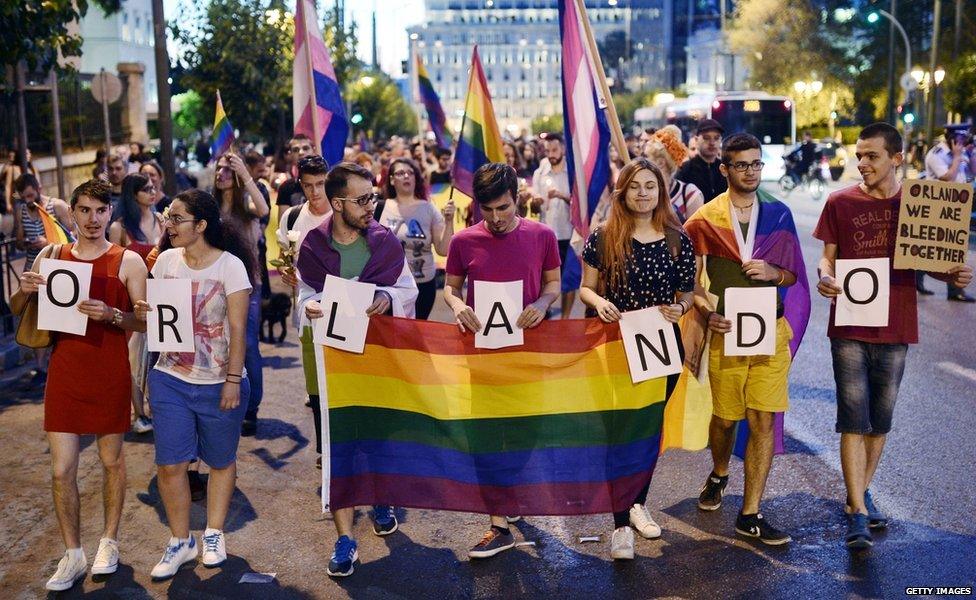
<point>423,419</point>
<point>223,132</point>
<point>432,103</point>
<point>480,141</point>
<point>54,231</point>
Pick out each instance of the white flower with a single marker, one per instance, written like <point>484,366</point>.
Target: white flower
<point>294,235</point>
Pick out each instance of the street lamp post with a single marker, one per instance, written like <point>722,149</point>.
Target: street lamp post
<point>873,18</point>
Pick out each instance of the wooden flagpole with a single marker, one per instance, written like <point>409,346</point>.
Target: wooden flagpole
<point>616,132</point>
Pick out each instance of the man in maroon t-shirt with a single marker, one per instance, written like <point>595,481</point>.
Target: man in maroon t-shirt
<point>503,247</point>
<point>860,222</point>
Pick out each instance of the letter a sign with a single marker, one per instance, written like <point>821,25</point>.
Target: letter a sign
<point>169,325</point>
<point>753,315</point>
<point>650,344</point>
<point>498,306</point>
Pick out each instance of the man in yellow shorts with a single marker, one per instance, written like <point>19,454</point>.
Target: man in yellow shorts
<point>744,239</point>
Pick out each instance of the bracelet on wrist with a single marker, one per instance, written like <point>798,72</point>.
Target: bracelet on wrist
<point>782,277</point>
<point>232,382</point>
<point>117,317</point>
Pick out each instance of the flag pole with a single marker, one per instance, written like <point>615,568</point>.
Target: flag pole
<point>464,118</point>
<point>616,132</point>
<point>316,131</point>
<point>415,89</point>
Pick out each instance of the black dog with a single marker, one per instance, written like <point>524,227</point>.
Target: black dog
<point>275,310</point>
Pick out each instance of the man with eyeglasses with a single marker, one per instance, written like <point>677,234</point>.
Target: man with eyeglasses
<point>745,387</point>
<point>703,169</point>
<point>290,192</point>
<point>351,245</point>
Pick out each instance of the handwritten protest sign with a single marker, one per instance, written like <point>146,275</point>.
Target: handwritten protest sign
<point>933,225</point>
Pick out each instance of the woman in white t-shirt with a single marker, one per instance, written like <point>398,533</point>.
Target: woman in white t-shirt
<point>419,226</point>
<point>198,398</point>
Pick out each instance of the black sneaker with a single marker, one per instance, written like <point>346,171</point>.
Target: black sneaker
<point>249,427</point>
<point>755,526</point>
<point>495,541</point>
<point>858,537</point>
<point>198,487</point>
<point>38,379</point>
<point>710,497</point>
<point>876,518</point>
<point>384,521</point>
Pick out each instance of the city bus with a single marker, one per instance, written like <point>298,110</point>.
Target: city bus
<point>772,119</point>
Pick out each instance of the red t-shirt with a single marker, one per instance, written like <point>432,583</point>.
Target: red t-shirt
<point>519,255</point>
<point>865,227</point>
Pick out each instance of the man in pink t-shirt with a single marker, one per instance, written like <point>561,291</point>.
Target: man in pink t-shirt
<point>502,247</point>
<point>860,222</point>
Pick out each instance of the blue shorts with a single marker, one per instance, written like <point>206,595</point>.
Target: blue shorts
<point>189,424</point>
<point>867,377</point>
<point>572,271</point>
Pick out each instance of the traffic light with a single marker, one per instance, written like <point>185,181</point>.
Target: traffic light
<point>907,112</point>
<point>355,114</point>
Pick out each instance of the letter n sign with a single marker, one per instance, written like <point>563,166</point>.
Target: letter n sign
<point>650,344</point>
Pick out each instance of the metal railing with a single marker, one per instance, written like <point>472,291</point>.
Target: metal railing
<point>8,282</point>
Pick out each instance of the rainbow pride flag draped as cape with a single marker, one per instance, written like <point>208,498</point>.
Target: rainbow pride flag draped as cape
<point>423,419</point>
<point>54,231</point>
<point>776,242</point>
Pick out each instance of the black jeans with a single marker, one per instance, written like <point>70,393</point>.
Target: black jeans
<point>426,293</point>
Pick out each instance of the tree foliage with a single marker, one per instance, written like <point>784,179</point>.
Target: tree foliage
<point>385,111</point>
<point>36,31</point>
<point>193,116</point>
<point>244,48</point>
<point>547,124</point>
<point>960,96</point>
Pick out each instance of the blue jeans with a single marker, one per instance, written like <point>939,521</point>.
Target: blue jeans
<point>867,377</point>
<point>252,355</point>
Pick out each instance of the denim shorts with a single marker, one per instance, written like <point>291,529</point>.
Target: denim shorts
<point>867,376</point>
<point>189,424</point>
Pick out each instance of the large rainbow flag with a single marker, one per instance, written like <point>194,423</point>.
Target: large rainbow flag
<point>423,419</point>
<point>480,141</point>
<point>776,241</point>
<point>432,104</point>
<point>54,231</point>
<point>223,131</point>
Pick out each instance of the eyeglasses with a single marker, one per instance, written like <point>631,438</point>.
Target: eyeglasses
<point>364,200</point>
<point>148,189</point>
<point>403,174</point>
<point>177,220</point>
<point>742,167</point>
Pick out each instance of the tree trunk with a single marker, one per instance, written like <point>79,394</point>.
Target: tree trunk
<point>165,118</point>
<point>21,118</point>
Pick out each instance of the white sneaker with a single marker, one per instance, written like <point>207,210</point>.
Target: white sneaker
<point>107,557</point>
<point>514,519</point>
<point>68,573</point>
<point>643,523</point>
<point>622,543</point>
<point>214,552</point>
<point>142,425</point>
<point>178,552</point>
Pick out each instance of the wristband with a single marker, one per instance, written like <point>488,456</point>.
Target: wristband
<point>232,382</point>
<point>235,374</point>
<point>117,317</point>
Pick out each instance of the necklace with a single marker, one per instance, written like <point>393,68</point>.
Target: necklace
<point>743,207</point>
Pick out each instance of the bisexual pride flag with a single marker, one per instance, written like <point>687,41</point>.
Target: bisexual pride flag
<point>318,108</point>
<point>223,132</point>
<point>423,419</point>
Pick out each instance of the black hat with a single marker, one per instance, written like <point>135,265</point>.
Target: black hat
<point>708,125</point>
<point>957,128</point>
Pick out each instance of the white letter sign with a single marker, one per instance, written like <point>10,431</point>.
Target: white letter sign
<point>344,323</point>
<point>169,325</point>
<point>68,284</point>
<point>753,315</point>
<point>650,344</point>
<point>498,306</point>
<point>865,285</point>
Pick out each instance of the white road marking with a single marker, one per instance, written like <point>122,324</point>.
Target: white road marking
<point>951,367</point>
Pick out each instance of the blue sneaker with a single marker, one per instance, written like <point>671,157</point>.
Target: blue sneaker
<point>858,537</point>
<point>344,557</point>
<point>384,521</point>
<point>876,519</point>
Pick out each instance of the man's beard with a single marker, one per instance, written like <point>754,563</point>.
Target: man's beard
<point>355,223</point>
<point>556,162</point>
<point>742,189</point>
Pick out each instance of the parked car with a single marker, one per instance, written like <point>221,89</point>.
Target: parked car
<point>836,155</point>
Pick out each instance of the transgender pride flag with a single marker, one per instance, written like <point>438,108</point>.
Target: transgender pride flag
<point>585,123</point>
<point>318,108</point>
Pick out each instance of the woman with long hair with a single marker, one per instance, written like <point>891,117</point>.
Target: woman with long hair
<point>638,259</point>
<point>242,205</point>
<point>154,172</point>
<point>418,224</point>
<point>199,398</point>
<point>137,227</point>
